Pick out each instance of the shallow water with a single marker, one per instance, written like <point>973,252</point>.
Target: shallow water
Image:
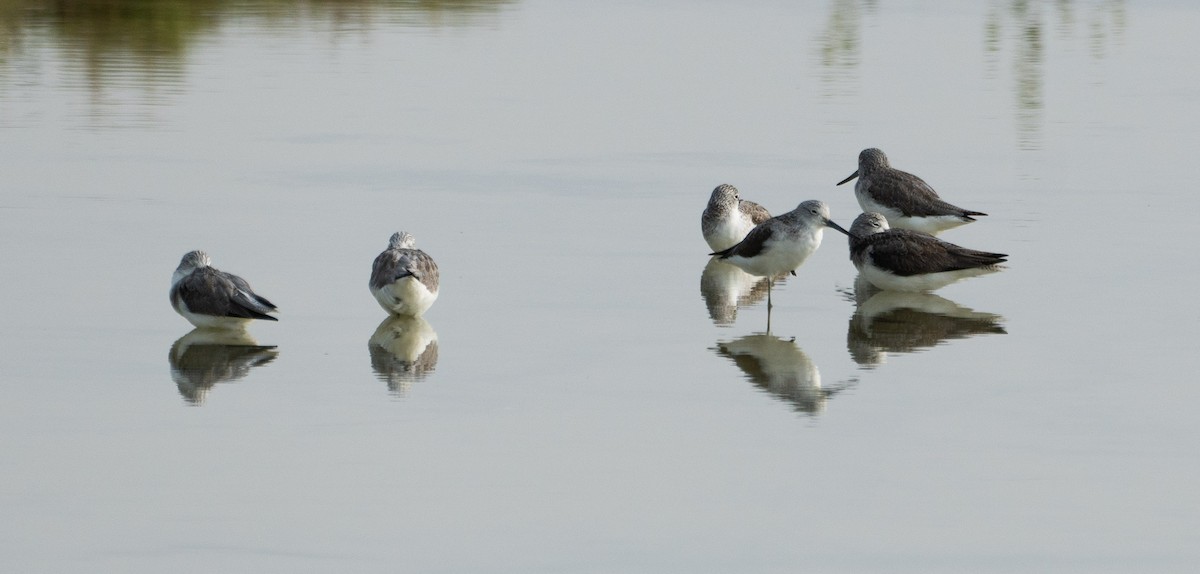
<point>574,402</point>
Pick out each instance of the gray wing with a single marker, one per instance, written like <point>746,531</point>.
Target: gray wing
<point>757,213</point>
<point>208,291</point>
<point>858,247</point>
<point>395,264</point>
<point>908,253</point>
<point>912,196</point>
<point>260,301</point>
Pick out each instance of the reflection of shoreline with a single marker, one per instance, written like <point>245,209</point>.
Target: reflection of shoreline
<point>204,357</point>
<point>1027,30</point>
<point>840,47</point>
<point>896,322</point>
<point>781,368</point>
<point>403,350</point>
<point>1017,25</point>
<point>146,43</point>
<point>726,288</point>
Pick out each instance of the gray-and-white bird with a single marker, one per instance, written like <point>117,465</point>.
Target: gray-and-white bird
<point>782,243</point>
<point>905,260</point>
<point>905,199</point>
<point>728,218</point>
<point>404,279</point>
<point>213,299</point>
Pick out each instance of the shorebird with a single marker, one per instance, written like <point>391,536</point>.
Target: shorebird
<point>905,260</point>
<point>404,279</point>
<point>213,299</point>
<point>728,218</point>
<point>782,243</point>
<point>905,199</point>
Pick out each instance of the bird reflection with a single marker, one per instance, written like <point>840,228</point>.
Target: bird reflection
<point>205,357</point>
<point>780,367</point>
<point>897,322</point>
<point>726,289</point>
<point>403,350</point>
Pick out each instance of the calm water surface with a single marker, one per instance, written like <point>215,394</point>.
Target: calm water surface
<point>589,393</point>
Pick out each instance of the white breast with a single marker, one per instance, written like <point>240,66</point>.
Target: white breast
<point>729,231</point>
<point>210,321</point>
<point>408,297</point>
<point>889,281</point>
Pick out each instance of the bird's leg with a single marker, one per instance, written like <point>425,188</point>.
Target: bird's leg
<point>769,305</point>
<point>768,319</point>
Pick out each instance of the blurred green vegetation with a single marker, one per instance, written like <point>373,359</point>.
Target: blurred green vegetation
<point>1018,29</point>
<point>153,34</point>
<point>1025,25</point>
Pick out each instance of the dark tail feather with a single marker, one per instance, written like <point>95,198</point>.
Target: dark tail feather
<point>984,259</point>
<point>969,215</point>
<point>724,253</point>
<point>239,310</point>
<point>263,301</point>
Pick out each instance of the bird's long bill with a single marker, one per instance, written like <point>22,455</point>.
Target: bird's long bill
<point>830,223</point>
<point>852,176</point>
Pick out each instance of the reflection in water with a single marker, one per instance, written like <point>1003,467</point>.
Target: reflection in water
<point>403,350</point>
<point>1019,22</point>
<point>1022,21</point>
<point>898,322</point>
<point>111,45</point>
<point>841,45</point>
<point>781,368</point>
<point>205,357</point>
<point>726,289</point>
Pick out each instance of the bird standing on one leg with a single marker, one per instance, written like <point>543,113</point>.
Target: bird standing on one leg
<point>782,243</point>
